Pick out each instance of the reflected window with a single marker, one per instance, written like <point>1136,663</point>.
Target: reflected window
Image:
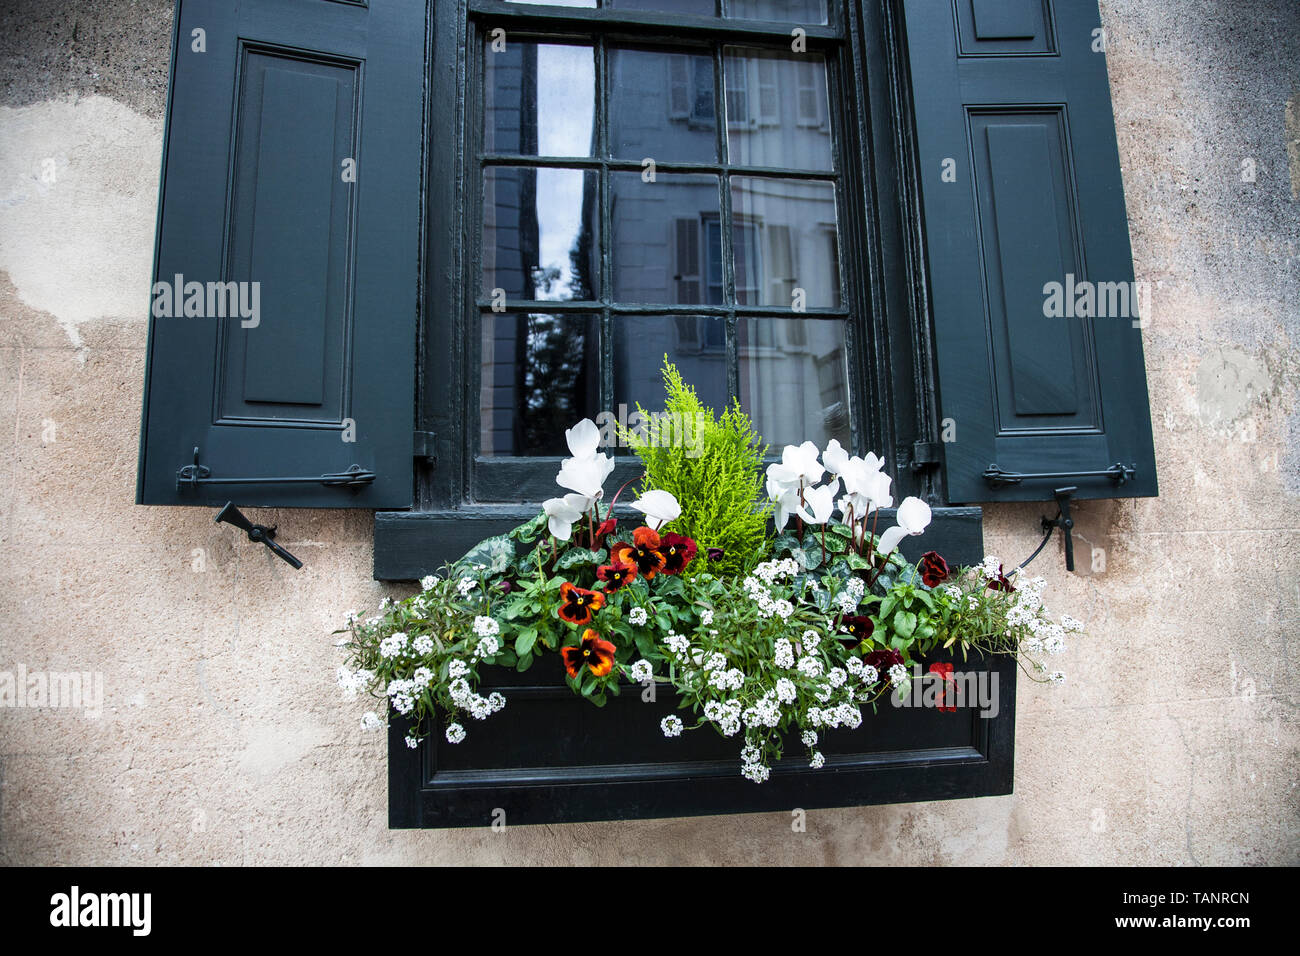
<point>789,256</point>
<point>648,242</point>
<point>794,379</point>
<point>539,99</point>
<point>539,375</point>
<point>776,109</point>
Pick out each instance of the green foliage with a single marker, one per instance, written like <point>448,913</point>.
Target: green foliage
<point>713,465</point>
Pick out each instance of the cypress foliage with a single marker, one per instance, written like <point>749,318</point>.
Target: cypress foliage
<point>714,466</point>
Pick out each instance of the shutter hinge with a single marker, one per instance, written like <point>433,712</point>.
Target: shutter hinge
<point>926,455</point>
<point>426,447</point>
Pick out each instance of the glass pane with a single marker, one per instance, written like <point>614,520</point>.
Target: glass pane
<point>557,3</point>
<point>777,111</point>
<point>539,99</point>
<point>662,107</point>
<point>539,233</point>
<point>658,228</point>
<point>790,254</point>
<point>696,8</point>
<point>794,380</point>
<point>696,344</point>
<point>539,376</point>
<point>789,11</point>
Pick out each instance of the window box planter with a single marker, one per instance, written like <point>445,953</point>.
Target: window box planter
<point>551,757</point>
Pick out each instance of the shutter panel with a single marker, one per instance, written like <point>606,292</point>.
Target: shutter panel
<point>1011,97</point>
<point>261,125</point>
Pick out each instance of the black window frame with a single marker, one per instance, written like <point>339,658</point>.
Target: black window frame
<point>882,279</point>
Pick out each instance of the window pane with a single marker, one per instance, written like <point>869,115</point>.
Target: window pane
<point>657,237</point>
<point>662,107</point>
<point>697,8</point>
<point>539,376</point>
<point>794,380</point>
<point>696,344</point>
<point>539,99</point>
<point>539,233</point>
<point>791,251</point>
<point>791,11</point>
<point>557,3</point>
<point>776,110</point>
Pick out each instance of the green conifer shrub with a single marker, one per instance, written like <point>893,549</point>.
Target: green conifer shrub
<point>714,466</point>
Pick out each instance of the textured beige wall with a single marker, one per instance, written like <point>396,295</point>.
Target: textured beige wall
<point>222,739</point>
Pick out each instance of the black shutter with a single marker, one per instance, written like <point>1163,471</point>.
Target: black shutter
<point>271,104</point>
<point>1012,100</point>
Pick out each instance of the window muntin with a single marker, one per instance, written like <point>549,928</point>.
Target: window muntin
<point>649,258</point>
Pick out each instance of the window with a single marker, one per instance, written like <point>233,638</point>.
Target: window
<point>610,194</point>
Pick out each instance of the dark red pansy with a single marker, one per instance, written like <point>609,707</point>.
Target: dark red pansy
<point>1002,583</point>
<point>882,660</point>
<point>678,550</point>
<point>857,629</point>
<point>576,604</point>
<point>593,652</point>
<point>716,554</point>
<point>934,569</point>
<point>616,576</point>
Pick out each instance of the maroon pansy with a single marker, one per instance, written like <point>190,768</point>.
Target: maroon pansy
<point>678,550</point>
<point>934,569</point>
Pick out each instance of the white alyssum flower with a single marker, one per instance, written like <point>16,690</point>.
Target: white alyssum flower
<point>428,581</point>
<point>898,675</point>
<point>392,646</point>
<point>349,682</point>
<point>751,754</point>
<point>809,738</point>
<point>785,690</point>
<point>837,676</point>
<point>811,641</point>
<point>1070,624</point>
<point>706,617</point>
<point>457,668</point>
<point>756,772</point>
<point>679,644</point>
<point>783,653</point>
<point>488,646</point>
<point>485,626</point>
<point>455,733</point>
<point>810,666</point>
<point>496,701</point>
<point>423,677</point>
<point>637,617</point>
<point>817,761</point>
<point>854,666</point>
<point>869,674</point>
<point>672,726</point>
<point>412,741</point>
<point>641,671</point>
<point>1056,677</point>
<point>422,644</point>
<point>370,721</point>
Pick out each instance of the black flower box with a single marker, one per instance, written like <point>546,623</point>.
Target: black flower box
<point>551,757</point>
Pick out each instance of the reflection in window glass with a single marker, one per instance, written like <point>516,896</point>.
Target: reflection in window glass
<point>539,233</point>
<point>539,376</point>
<point>696,8</point>
<point>696,344</point>
<point>557,3</point>
<point>656,236</point>
<point>793,245</point>
<point>794,380</point>
<point>662,106</point>
<point>539,99</point>
<point>789,11</point>
<point>776,110</point>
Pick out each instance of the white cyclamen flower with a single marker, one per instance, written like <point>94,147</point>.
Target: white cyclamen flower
<point>561,513</point>
<point>659,508</point>
<point>913,518</point>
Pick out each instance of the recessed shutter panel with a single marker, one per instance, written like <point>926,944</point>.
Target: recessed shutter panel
<point>282,334</point>
<point>1037,329</point>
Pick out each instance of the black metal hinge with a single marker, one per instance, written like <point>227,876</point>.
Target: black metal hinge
<point>195,474</point>
<point>998,477</point>
<point>926,455</point>
<point>426,447</point>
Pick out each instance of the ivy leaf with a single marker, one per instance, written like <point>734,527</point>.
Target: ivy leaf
<point>529,530</point>
<point>496,553</point>
<point>575,557</point>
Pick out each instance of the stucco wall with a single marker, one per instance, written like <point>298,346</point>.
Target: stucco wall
<point>222,739</point>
